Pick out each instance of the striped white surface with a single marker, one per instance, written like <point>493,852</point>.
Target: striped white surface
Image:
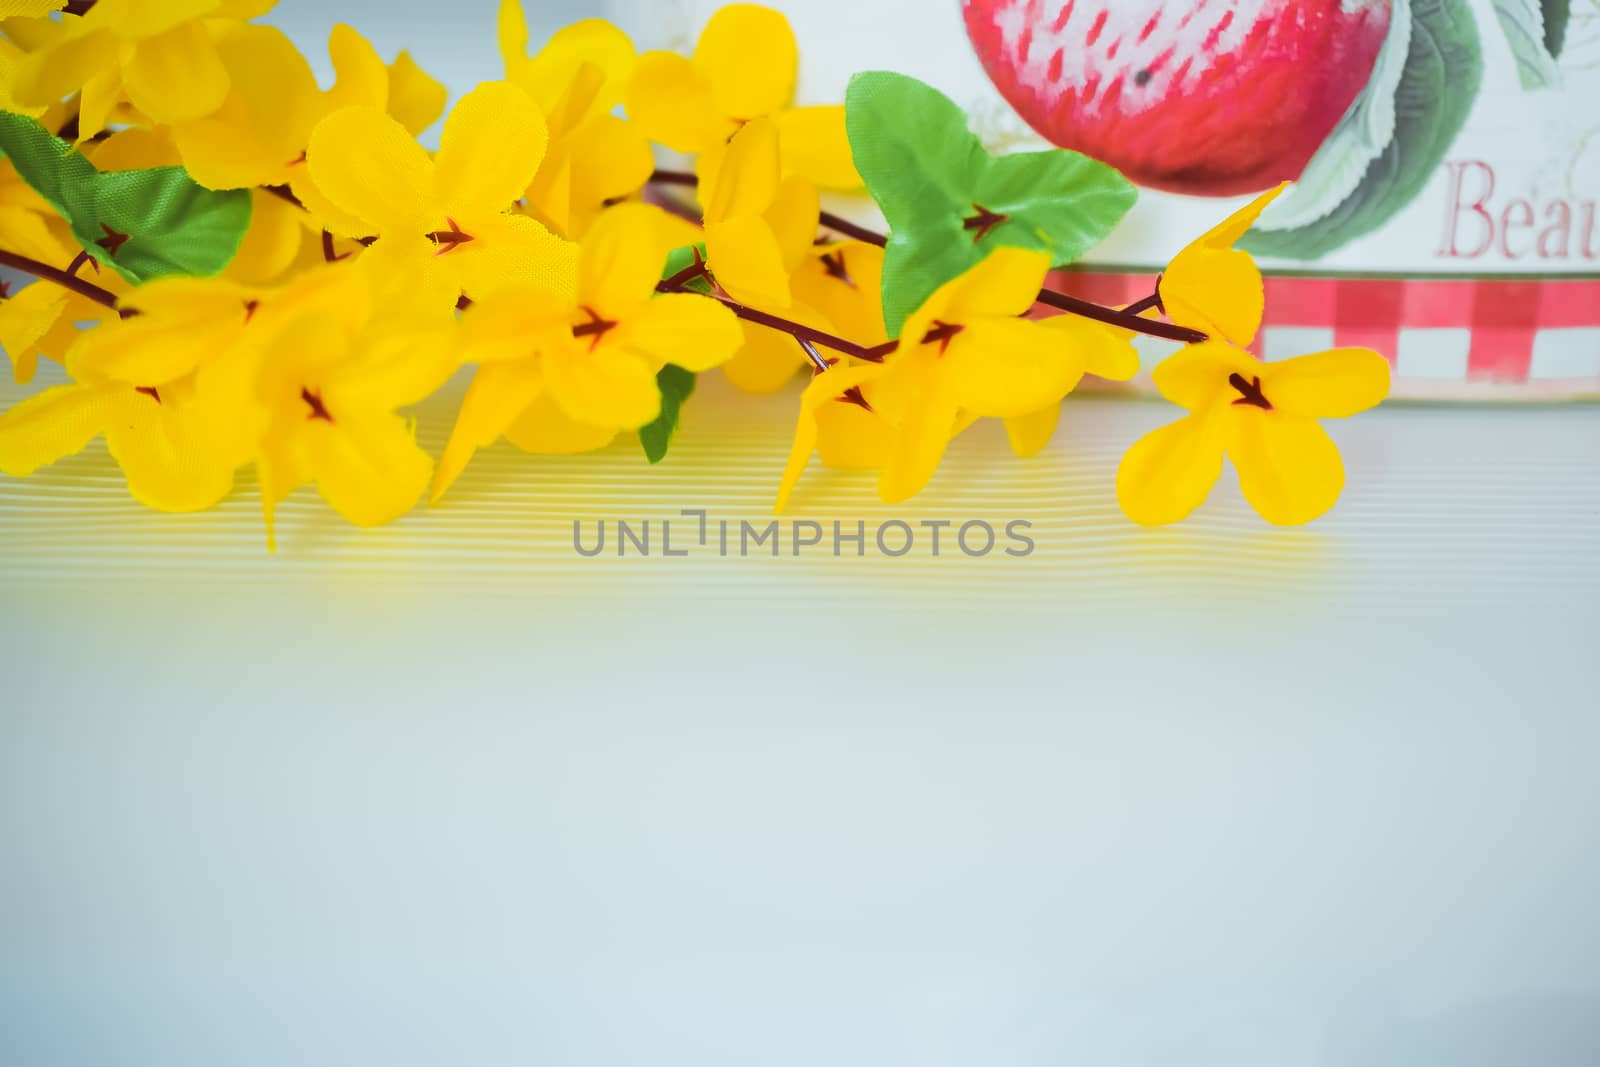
<point>1442,506</point>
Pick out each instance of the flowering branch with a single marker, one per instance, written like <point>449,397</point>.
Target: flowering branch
<point>1128,319</point>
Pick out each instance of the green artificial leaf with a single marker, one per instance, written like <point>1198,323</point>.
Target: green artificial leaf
<point>1557,17</point>
<point>949,203</point>
<point>170,224</point>
<point>677,385</point>
<point>1443,71</point>
<point>1524,24</point>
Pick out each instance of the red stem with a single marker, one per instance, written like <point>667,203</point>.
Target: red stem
<point>45,271</point>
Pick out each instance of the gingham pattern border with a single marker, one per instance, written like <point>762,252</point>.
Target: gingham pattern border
<point>1537,338</point>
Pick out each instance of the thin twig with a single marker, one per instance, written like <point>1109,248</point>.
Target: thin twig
<point>1126,320</point>
<point>60,277</point>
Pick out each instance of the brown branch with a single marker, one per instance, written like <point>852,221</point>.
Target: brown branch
<point>1127,320</point>
<point>45,271</point>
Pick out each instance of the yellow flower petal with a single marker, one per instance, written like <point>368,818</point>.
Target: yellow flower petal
<point>497,397</point>
<point>138,149</point>
<point>511,250</point>
<point>98,101</point>
<point>510,324</point>
<point>511,35</point>
<point>57,71</point>
<point>849,437</point>
<point>1004,368</point>
<point>26,232</point>
<point>169,340</point>
<point>1107,352</point>
<point>1289,468</point>
<point>360,77</point>
<point>416,98</point>
<point>1239,223</point>
<point>1327,385</point>
<point>816,147</point>
<point>394,371</point>
<point>25,319</point>
<point>672,103</point>
<point>694,332</point>
<point>272,244</point>
<point>604,386</point>
<point>545,430</point>
<point>610,160</point>
<point>748,56</point>
<point>924,433</point>
<point>176,76</point>
<point>592,43</point>
<point>369,167</point>
<point>1171,471</point>
<point>1196,377</point>
<point>793,218</point>
<point>491,148</point>
<point>853,303</point>
<point>824,390</point>
<point>165,453</point>
<point>56,423</point>
<point>620,261</point>
<point>747,180</point>
<point>368,467</point>
<point>30,9</point>
<point>1219,293</point>
<point>766,361</point>
<point>1004,285</point>
<point>747,261</point>
<point>1029,434</point>
<point>144,20</point>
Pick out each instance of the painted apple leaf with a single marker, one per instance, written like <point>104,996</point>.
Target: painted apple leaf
<point>144,224</point>
<point>949,203</point>
<point>1524,24</point>
<point>1557,16</point>
<point>1339,166</point>
<point>676,385</point>
<point>1443,72</point>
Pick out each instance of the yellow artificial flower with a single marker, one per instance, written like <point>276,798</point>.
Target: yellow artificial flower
<point>759,226</point>
<point>160,53</point>
<point>837,421</point>
<point>595,357</point>
<point>837,289</point>
<point>1215,288</point>
<point>1261,415</point>
<point>577,79</point>
<point>260,135</point>
<point>450,215</point>
<point>743,69</point>
<point>331,390</point>
<point>1108,353</point>
<point>966,354</point>
<point>178,444</point>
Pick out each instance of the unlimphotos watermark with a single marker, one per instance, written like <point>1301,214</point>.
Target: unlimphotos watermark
<point>779,538</point>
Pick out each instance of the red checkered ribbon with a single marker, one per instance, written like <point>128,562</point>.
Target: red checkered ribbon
<point>1476,330</point>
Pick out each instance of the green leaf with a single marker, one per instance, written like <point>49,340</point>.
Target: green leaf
<point>680,259</point>
<point>1443,71</point>
<point>677,385</point>
<point>930,174</point>
<point>1524,25</point>
<point>1557,17</point>
<point>172,225</point>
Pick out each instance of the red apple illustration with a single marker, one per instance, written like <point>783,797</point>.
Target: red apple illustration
<point>1207,97</point>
